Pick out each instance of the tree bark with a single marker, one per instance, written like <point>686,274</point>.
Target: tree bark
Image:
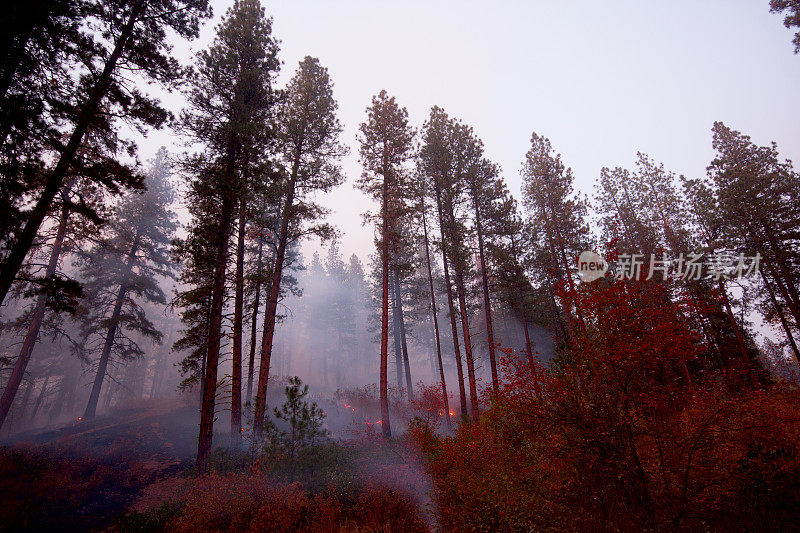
<point>384,371</point>
<point>66,391</point>
<point>473,388</point>
<point>739,339</point>
<point>785,270</point>
<point>215,324</point>
<point>398,354</point>
<point>782,316</point>
<point>40,397</point>
<point>24,404</point>
<point>238,317</point>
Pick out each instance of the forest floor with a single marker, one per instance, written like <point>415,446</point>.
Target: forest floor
<point>83,475</point>
<point>133,470</point>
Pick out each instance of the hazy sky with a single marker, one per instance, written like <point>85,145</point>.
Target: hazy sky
<point>601,80</point>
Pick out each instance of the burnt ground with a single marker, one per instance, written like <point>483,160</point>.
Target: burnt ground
<point>85,475</point>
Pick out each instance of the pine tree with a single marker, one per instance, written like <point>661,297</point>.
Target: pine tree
<point>231,103</point>
<point>756,193</point>
<point>483,190</point>
<point>38,45</point>
<point>421,190</point>
<point>123,270</point>
<point>467,151</point>
<point>386,141</point>
<point>557,218</point>
<point>308,144</point>
<point>129,36</point>
<point>792,19</point>
<point>436,163</point>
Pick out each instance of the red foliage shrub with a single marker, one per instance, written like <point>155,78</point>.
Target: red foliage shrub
<point>619,435</point>
<point>238,502</point>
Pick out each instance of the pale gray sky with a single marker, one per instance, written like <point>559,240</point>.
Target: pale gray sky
<point>600,79</point>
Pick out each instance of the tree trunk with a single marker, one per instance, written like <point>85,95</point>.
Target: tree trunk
<point>215,325</point>
<point>254,320</point>
<point>158,368</point>
<point>36,321</point>
<point>384,370</point>
<point>462,301</point>
<point>403,343</point>
<point>451,306</point>
<point>782,316</point>
<point>238,317</point>
<point>39,398</point>
<point>66,391</point>
<point>435,319</point>
<point>398,354</point>
<point>791,289</point>
<point>272,303</point>
<point>473,388</point>
<point>487,306</point>
<point>738,333</point>
<point>785,295</point>
<point>105,355</point>
<point>20,414</point>
<point>94,396</point>
<point>89,110</point>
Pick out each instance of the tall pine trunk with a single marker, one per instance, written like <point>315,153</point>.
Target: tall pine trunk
<point>473,387</point>
<point>462,301</point>
<point>254,321</point>
<point>40,397</point>
<point>35,325</point>
<point>487,306</point>
<point>785,323</point>
<point>105,355</point>
<point>159,367</point>
<point>215,324</point>
<point>784,293</point>
<point>238,317</point>
<point>785,271</point>
<point>272,303</point>
<point>66,391</point>
<point>384,363</point>
<point>450,303</point>
<point>435,318</point>
<point>403,343</point>
<point>26,397</point>
<point>398,354</point>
